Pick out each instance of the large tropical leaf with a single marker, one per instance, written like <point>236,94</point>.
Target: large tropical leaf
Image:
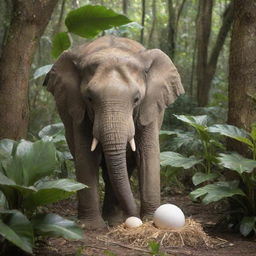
<point>16,228</point>
<point>186,142</point>
<point>52,191</point>
<point>200,177</point>
<point>32,161</point>
<point>174,159</point>
<point>54,133</point>
<point>52,130</point>
<point>6,148</point>
<point>236,162</point>
<point>14,193</point>
<point>232,132</point>
<point>88,21</point>
<point>42,71</point>
<point>217,191</point>
<point>43,193</point>
<point>247,225</point>
<point>198,122</point>
<point>54,225</point>
<point>60,43</point>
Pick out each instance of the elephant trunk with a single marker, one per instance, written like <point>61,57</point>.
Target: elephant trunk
<point>114,135</point>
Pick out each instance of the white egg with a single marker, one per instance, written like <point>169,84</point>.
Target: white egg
<point>169,216</point>
<point>133,222</point>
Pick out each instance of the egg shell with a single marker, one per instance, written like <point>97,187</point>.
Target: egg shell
<point>169,216</point>
<point>133,222</point>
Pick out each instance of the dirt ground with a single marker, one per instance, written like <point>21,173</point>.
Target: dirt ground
<point>230,244</point>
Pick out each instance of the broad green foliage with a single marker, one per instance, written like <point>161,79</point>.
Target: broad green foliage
<point>248,224</point>
<point>177,160</point>
<point>213,186</point>
<point>200,177</point>
<point>236,162</point>
<point>15,227</point>
<point>88,21</point>
<point>24,168</point>
<point>55,225</point>
<point>60,43</point>
<point>217,191</point>
<point>232,132</point>
<point>55,134</point>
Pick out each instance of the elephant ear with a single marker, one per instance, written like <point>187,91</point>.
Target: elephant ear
<point>163,85</point>
<point>63,81</point>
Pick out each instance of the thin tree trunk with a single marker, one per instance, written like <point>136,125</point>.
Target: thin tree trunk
<point>125,6</point>
<point>242,69</point>
<point>143,12</point>
<point>153,27</point>
<point>204,21</point>
<point>171,29</point>
<point>207,68</point>
<point>28,23</point>
<point>62,10</point>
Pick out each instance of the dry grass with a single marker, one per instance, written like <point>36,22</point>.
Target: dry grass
<point>191,234</point>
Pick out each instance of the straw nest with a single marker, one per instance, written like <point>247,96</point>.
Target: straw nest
<point>191,234</point>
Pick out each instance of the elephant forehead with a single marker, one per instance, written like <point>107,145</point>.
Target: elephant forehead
<point>112,56</point>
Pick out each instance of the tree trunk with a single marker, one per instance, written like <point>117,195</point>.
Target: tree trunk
<point>242,69</point>
<point>151,37</point>
<point>204,21</point>
<point>207,68</point>
<point>29,19</point>
<point>143,12</point>
<point>125,6</point>
<point>171,29</point>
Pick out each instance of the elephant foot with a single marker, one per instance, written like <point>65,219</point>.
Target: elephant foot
<point>114,218</point>
<point>92,224</point>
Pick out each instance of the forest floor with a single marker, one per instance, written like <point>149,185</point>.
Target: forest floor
<point>230,243</point>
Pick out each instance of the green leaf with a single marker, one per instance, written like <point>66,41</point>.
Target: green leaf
<point>52,130</point>
<point>198,122</point>
<point>52,191</point>
<point>42,71</point>
<point>14,193</point>
<point>164,136</point>
<point>217,191</point>
<point>6,148</point>
<point>154,247</point>
<point>88,21</point>
<point>16,228</point>
<point>232,132</point>
<point>253,131</point>
<point>200,177</point>
<point>55,225</point>
<point>60,43</point>
<point>247,225</point>
<point>236,162</point>
<point>174,159</point>
<point>31,162</point>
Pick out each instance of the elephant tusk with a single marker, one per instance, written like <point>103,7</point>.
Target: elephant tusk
<point>132,143</point>
<point>94,144</point>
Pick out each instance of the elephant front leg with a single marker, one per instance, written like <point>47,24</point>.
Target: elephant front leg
<point>87,168</point>
<point>148,161</point>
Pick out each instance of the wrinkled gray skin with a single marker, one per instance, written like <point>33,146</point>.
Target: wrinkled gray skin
<point>114,90</point>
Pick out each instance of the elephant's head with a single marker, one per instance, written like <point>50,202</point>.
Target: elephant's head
<point>118,83</point>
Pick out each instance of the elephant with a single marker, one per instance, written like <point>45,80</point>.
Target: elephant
<point>111,94</point>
